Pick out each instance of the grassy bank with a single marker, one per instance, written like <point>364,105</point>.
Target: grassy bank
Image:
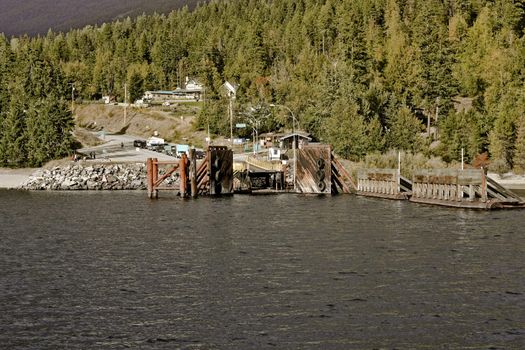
<point>409,163</point>
<point>173,123</point>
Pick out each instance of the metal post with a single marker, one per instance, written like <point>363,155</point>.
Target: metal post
<point>399,171</point>
<point>484,196</point>
<point>231,122</point>
<point>293,144</point>
<point>462,159</point>
<point>257,134</point>
<point>253,140</point>
<point>125,102</point>
<point>437,117</point>
<point>209,137</point>
<point>294,154</point>
<point>428,124</point>
<point>72,98</point>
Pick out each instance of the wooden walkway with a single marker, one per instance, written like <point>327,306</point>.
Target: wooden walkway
<point>469,188</point>
<point>383,183</point>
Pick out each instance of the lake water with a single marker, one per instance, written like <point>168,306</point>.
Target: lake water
<point>92,270</point>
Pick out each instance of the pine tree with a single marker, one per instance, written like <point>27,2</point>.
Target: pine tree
<point>404,130</point>
<point>5,62</point>
<point>458,131</point>
<point>13,142</point>
<point>37,131</point>
<point>135,86</point>
<point>502,140</point>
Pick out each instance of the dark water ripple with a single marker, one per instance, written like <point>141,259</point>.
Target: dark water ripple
<point>115,270</point>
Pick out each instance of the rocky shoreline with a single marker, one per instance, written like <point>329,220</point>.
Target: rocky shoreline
<point>89,177</point>
<point>124,176</point>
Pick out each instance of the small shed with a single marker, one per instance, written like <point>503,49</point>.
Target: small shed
<point>300,138</point>
<point>270,139</point>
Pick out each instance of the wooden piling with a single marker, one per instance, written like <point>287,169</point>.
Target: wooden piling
<point>152,177</point>
<point>183,175</point>
<point>155,177</point>
<point>193,173</point>
<point>149,176</point>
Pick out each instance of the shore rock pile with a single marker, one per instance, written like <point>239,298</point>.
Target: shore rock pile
<point>89,177</point>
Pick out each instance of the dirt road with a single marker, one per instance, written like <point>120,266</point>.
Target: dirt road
<point>119,148</point>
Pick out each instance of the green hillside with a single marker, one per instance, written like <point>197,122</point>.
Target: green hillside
<point>365,76</point>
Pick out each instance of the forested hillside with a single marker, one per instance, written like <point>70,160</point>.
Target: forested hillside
<point>363,75</point>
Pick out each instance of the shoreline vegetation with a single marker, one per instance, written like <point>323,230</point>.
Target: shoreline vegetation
<point>93,117</point>
<point>430,78</point>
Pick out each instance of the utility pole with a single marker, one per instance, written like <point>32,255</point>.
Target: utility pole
<point>428,123</point>
<point>231,121</point>
<point>231,91</point>
<point>125,102</point>
<point>294,144</point>
<point>72,98</point>
<point>437,117</point>
<point>209,137</point>
<point>399,171</point>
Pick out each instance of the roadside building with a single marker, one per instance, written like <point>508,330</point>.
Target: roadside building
<point>269,139</point>
<point>301,138</point>
<point>192,90</point>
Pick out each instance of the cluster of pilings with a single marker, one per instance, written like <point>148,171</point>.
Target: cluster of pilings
<point>212,175</point>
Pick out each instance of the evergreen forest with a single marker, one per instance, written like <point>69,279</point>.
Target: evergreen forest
<point>363,75</point>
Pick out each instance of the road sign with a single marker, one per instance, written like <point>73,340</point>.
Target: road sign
<point>240,125</point>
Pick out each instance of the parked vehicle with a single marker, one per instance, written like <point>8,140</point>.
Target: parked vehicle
<point>170,150</point>
<point>182,149</point>
<point>155,141</point>
<point>199,154</point>
<point>139,143</point>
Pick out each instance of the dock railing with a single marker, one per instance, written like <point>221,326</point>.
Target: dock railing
<point>264,164</point>
<point>467,185</point>
<point>385,183</point>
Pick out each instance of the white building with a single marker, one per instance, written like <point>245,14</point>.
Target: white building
<point>192,91</point>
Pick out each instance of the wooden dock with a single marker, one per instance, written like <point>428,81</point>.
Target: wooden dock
<point>317,171</point>
<point>469,188</point>
<point>383,183</point>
